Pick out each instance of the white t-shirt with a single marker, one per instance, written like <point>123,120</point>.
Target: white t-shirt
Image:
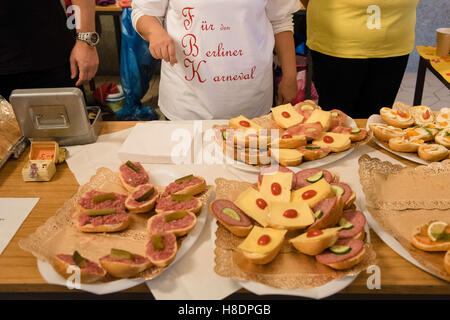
<point>224,50</point>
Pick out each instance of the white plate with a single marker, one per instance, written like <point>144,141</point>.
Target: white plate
<point>158,177</point>
<point>321,292</point>
<point>304,165</point>
<point>376,118</point>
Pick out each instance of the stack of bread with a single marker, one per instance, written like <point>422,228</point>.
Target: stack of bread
<point>415,129</point>
<point>311,210</point>
<point>303,132</point>
<point>172,212</point>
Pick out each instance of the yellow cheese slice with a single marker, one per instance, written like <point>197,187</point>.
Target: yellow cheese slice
<point>278,219</point>
<point>236,123</point>
<point>286,116</point>
<point>247,202</point>
<point>322,188</point>
<point>341,141</point>
<point>324,117</point>
<point>250,244</point>
<point>284,179</point>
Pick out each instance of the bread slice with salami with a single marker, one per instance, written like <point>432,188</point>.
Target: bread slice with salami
<point>231,217</point>
<point>179,223</point>
<point>344,254</point>
<point>162,248</point>
<point>142,199</point>
<point>89,270</point>
<point>133,174</point>
<point>328,212</point>
<point>124,264</point>
<point>187,185</point>
<point>343,190</point>
<point>352,225</point>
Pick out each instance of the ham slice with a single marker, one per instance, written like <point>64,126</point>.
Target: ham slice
<point>311,131</point>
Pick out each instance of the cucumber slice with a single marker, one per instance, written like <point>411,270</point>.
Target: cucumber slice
<point>355,130</point>
<point>316,177</point>
<point>340,249</point>
<point>311,148</point>
<point>345,224</point>
<point>318,214</point>
<point>339,191</point>
<point>231,213</point>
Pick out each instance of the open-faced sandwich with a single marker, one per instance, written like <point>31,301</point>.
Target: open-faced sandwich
<point>124,264</point>
<point>133,174</point>
<point>433,236</point>
<point>66,265</point>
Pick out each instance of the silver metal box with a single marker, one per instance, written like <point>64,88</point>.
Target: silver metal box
<point>57,114</point>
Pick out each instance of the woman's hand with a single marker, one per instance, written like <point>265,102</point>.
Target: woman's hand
<point>162,46</point>
<point>287,90</point>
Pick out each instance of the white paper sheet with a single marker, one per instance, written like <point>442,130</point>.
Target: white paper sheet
<point>12,214</point>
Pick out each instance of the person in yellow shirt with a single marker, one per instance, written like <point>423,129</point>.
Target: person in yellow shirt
<point>360,50</point>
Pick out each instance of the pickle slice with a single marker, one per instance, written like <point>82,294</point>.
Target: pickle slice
<point>177,215</point>
<point>121,254</point>
<point>158,242</point>
<point>146,195</point>
<point>181,197</point>
<point>78,259</point>
<point>231,213</point>
<point>100,212</point>
<point>132,166</point>
<point>318,214</point>
<point>355,130</point>
<point>103,197</point>
<point>185,178</point>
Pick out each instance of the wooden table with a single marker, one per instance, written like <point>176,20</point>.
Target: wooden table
<point>19,274</point>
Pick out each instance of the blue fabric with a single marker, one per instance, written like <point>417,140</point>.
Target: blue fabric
<point>136,69</point>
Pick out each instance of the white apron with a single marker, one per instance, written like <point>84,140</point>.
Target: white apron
<point>224,50</point>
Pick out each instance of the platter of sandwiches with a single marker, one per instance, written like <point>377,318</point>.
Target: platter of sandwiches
<point>289,230</point>
<point>302,136</point>
<point>417,133</point>
<point>121,229</point>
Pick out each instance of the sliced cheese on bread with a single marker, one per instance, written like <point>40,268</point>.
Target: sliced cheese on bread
<point>263,240</point>
<point>286,116</point>
<point>324,117</point>
<point>337,142</point>
<point>243,123</point>
<point>277,186</point>
<point>253,203</point>
<point>290,215</point>
<point>313,193</point>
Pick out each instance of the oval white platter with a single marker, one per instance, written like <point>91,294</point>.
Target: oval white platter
<point>158,177</point>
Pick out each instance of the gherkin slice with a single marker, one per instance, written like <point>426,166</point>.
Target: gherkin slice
<point>103,197</point>
<point>181,197</point>
<point>100,212</point>
<point>146,195</point>
<point>132,166</point>
<point>121,254</point>
<point>78,259</point>
<point>158,242</point>
<point>185,178</point>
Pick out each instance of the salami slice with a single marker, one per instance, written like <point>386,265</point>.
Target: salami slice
<point>338,118</point>
<point>357,219</point>
<point>311,131</point>
<point>302,175</point>
<point>273,169</point>
<point>347,191</point>
<point>331,213</point>
<point>361,135</point>
<point>218,206</point>
<point>329,257</point>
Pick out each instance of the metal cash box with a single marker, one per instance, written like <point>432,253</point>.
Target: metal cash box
<point>56,114</point>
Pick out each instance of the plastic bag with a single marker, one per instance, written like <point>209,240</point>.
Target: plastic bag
<point>136,69</point>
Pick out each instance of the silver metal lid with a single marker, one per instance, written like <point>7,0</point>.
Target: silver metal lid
<point>50,113</point>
